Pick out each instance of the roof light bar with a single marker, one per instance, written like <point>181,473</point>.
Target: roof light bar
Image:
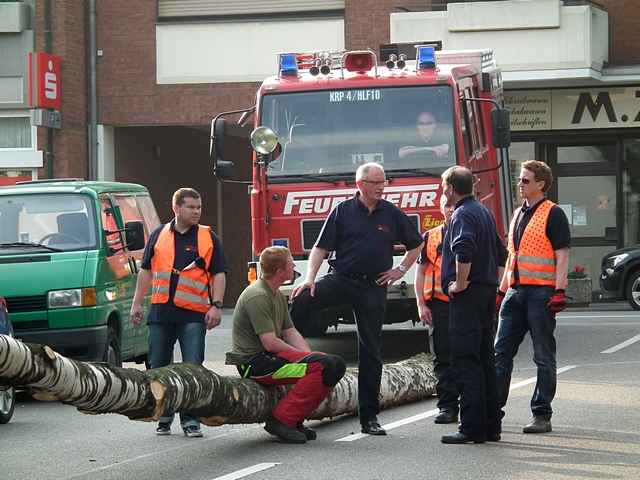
<point>426,57</point>
<point>288,65</point>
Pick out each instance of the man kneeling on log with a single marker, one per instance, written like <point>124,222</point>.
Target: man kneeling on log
<point>268,349</point>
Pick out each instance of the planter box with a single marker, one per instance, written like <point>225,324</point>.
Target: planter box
<point>579,289</point>
<point>14,17</point>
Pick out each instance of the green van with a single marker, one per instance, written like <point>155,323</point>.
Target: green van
<point>70,251</point>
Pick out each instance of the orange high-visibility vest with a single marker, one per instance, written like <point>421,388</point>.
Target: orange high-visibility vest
<point>192,291</point>
<point>535,258</point>
<point>433,273</point>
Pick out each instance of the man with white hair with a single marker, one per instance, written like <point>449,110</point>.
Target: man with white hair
<point>360,233</point>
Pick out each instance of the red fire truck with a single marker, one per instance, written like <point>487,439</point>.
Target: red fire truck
<point>325,113</point>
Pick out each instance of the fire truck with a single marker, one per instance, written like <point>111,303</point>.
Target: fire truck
<point>325,113</point>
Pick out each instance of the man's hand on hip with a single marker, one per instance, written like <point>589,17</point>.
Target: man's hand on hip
<point>212,318</point>
<point>302,287</point>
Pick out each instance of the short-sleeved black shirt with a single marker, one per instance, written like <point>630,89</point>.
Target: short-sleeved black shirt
<point>186,251</point>
<point>362,242</point>
<point>557,231</point>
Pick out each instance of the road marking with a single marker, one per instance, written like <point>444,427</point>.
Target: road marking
<point>434,412</point>
<point>620,346</point>
<point>153,454</point>
<point>247,471</point>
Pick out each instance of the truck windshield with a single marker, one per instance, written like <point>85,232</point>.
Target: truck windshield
<point>333,131</point>
<point>60,222</point>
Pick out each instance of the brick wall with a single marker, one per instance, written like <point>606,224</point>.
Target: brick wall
<point>128,94</point>
<point>624,35</point>
<point>68,41</point>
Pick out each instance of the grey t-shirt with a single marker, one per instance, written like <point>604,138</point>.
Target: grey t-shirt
<point>258,311</point>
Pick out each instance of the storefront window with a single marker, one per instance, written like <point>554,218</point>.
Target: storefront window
<point>587,154</point>
<point>519,152</point>
<point>631,192</point>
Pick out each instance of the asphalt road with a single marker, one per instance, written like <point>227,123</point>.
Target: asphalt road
<point>596,426</point>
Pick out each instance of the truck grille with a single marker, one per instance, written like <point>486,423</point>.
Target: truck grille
<point>310,231</point>
<point>33,303</point>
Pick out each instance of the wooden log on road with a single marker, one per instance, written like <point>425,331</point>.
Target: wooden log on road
<point>98,388</point>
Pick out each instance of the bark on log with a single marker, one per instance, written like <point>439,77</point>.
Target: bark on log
<point>98,388</point>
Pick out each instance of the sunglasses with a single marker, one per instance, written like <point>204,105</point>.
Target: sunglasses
<point>524,181</point>
<point>426,123</point>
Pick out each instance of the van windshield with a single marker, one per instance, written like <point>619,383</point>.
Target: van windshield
<point>331,132</point>
<point>58,222</point>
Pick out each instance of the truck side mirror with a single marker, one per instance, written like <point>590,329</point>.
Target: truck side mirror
<point>501,127</point>
<point>134,233</point>
<point>221,168</point>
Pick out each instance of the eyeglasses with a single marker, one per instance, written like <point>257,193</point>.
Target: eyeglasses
<point>381,182</point>
<point>524,181</point>
<point>426,123</point>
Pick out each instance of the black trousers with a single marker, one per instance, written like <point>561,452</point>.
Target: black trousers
<point>446,387</point>
<point>471,335</point>
<point>368,302</point>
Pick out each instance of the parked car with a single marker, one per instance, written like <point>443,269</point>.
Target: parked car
<point>7,394</point>
<point>69,251</point>
<point>620,276</point>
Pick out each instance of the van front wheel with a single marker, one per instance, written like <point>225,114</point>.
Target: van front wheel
<point>112,349</point>
<point>7,403</point>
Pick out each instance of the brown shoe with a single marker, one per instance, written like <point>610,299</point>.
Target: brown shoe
<point>538,425</point>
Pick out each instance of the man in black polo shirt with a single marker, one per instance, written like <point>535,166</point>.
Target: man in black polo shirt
<point>361,233</point>
<point>184,263</point>
<point>470,259</point>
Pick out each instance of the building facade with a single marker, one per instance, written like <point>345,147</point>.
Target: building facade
<point>162,69</point>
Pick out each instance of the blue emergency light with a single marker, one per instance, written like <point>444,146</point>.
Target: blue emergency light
<point>288,64</point>
<point>426,56</point>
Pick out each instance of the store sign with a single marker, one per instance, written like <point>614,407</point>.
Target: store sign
<point>530,110</point>
<point>44,81</point>
<point>596,108</point>
<point>573,109</point>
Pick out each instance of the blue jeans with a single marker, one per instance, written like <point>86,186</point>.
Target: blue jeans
<point>524,310</point>
<point>162,338</point>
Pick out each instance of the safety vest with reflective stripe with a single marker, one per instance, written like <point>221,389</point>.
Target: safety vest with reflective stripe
<point>535,258</point>
<point>433,273</point>
<point>192,290</point>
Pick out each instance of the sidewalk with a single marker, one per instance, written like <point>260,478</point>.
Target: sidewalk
<point>621,306</point>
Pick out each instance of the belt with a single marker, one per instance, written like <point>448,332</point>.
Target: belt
<point>361,277</point>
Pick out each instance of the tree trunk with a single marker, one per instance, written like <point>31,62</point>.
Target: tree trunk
<point>145,395</point>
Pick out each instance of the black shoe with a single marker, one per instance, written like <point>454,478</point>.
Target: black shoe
<point>284,433</point>
<point>493,437</point>
<point>538,425</point>
<point>308,433</point>
<point>445,416</point>
<point>372,427</point>
<point>460,438</point>
<point>164,428</point>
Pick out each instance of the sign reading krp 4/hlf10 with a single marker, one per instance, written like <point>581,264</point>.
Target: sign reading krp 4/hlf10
<point>44,87</point>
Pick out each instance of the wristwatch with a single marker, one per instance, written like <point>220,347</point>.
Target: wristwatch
<point>402,268</point>
<point>217,304</point>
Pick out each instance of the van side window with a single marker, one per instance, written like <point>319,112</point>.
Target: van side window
<point>149,214</point>
<point>114,240</point>
<point>129,210</point>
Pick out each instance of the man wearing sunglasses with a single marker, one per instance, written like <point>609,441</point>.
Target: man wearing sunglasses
<point>533,289</point>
